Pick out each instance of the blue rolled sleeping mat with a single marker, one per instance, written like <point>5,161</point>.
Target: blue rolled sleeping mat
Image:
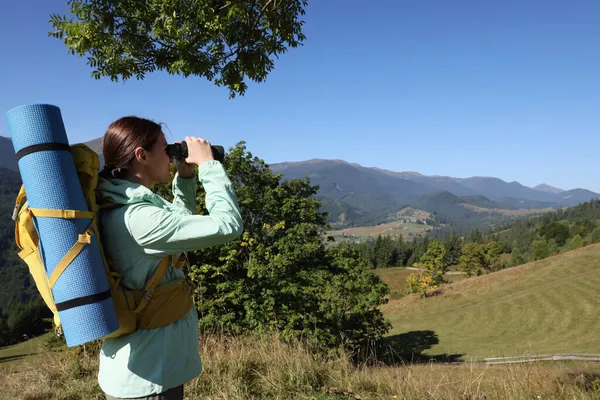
<point>81,293</point>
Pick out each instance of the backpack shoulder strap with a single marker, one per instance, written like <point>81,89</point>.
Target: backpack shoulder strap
<point>153,282</point>
<point>27,239</point>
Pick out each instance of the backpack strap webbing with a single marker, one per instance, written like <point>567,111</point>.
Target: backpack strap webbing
<point>153,283</point>
<point>65,214</point>
<point>83,240</point>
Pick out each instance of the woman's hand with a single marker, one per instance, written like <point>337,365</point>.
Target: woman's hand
<point>199,150</point>
<point>184,169</point>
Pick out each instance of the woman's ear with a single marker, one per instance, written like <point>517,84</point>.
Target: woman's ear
<point>140,155</point>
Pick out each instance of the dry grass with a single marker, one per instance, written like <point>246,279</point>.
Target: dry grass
<point>552,303</point>
<point>254,368</point>
<point>395,278</point>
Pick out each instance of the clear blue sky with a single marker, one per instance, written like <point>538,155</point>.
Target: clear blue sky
<point>462,88</point>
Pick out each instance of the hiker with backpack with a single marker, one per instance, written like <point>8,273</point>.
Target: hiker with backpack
<point>141,235</point>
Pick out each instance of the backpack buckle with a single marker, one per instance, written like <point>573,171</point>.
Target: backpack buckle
<point>148,295</point>
<point>85,239</point>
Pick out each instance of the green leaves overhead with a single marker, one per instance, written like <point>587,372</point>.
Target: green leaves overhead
<point>225,42</point>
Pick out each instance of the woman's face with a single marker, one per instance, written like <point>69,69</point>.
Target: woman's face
<point>158,162</point>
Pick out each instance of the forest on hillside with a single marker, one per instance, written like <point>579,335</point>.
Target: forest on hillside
<point>525,240</point>
<point>22,312</point>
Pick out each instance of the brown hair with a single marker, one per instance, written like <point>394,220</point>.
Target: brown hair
<point>122,138</point>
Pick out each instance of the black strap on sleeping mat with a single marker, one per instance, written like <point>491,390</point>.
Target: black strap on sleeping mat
<point>41,147</point>
<point>82,301</point>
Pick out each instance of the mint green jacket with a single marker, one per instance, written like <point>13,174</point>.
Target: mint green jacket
<point>136,237</point>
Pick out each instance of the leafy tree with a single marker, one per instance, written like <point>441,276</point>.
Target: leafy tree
<point>552,247</point>
<point>435,260</point>
<point>477,257</point>
<point>595,235</point>
<point>224,42</point>
<point>349,303</point>
<point>576,242</point>
<point>539,250</point>
<point>279,276</point>
<point>517,257</point>
<point>557,231</point>
<point>421,282</point>
<point>583,228</point>
<point>470,260</point>
<point>490,254</point>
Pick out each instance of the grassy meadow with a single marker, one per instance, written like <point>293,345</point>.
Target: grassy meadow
<point>395,228</point>
<point>549,306</point>
<point>247,368</point>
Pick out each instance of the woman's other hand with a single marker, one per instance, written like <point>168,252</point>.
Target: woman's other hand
<point>199,150</point>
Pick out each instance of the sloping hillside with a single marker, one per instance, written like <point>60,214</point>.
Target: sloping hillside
<point>7,154</point>
<point>550,306</point>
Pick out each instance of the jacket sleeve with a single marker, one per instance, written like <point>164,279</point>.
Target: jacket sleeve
<point>163,231</point>
<point>184,194</point>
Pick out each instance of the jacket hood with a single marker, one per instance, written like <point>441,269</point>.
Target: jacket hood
<point>126,193</point>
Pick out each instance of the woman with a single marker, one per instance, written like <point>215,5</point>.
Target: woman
<point>156,363</point>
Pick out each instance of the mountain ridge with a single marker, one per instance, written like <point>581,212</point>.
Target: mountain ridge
<point>355,194</point>
<point>372,193</point>
<point>473,182</point>
<point>7,153</point>
<point>280,166</point>
<point>547,188</point>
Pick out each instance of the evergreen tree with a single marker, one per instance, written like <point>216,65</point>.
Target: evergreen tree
<point>453,246</point>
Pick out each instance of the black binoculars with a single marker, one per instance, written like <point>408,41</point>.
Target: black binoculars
<point>179,151</point>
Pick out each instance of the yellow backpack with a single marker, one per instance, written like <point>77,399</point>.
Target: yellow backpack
<point>153,307</point>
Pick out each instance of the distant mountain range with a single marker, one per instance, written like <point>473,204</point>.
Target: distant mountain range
<point>356,195</point>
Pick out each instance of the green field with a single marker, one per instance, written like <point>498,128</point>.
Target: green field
<point>550,306</point>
